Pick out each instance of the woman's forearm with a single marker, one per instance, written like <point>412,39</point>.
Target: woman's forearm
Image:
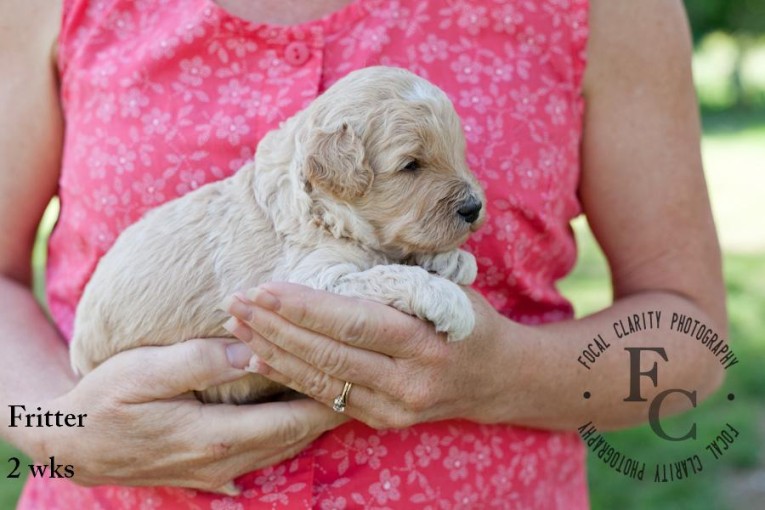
<point>576,371</point>
<point>35,361</point>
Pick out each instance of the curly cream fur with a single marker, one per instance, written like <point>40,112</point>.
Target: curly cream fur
<point>325,203</point>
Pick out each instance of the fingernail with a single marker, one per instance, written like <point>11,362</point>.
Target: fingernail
<point>238,355</point>
<point>264,299</point>
<point>255,365</point>
<point>240,309</point>
<point>230,325</point>
<point>236,297</point>
<point>239,330</point>
<point>230,489</point>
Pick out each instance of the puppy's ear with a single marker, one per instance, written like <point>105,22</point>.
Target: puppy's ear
<point>336,164</point>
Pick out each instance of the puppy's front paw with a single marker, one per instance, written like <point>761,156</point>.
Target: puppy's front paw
<point>449,309</point>
<point>413,290</point>
<point>458,266</point>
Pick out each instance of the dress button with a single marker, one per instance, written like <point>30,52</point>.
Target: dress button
<point>297,53</point>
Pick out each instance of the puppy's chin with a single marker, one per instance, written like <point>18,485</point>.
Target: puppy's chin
<point>415,242</point>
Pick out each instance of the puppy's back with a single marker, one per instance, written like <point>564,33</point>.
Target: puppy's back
<point>162,281</point>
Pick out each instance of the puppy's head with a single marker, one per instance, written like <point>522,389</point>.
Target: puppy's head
<point>385,148</point>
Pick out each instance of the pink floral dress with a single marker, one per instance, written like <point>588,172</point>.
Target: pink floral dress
<point>163,96</point>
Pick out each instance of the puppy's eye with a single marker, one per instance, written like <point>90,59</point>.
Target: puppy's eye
<point>412,166</point>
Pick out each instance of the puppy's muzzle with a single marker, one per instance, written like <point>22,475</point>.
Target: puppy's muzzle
<point>470,209</point>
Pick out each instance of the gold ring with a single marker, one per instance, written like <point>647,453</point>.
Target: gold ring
<point>338,405</point>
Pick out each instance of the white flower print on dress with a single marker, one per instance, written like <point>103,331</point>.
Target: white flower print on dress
<point>150,190</point>
<point>226,504</point>
<point>386,489</point>
<point>132,102</point>
<point>122,24</point>
<point>524,99</point>
<point>194,71</point>
<point>156,121</point>
<point>369,451</point>
<point>240,47</point>
<point>105,200</point>
<point>190,31</point>
<point>473,129</point>
<point>467,69</point>
<point>107,108</point>
<point>473,18</point>
<point>481,456</point>
<point>466,498</point>
<point>506,18</point>
<point>101,75</point>
<point>230,128</point>
<point>165,47</point>
<point>475,98</point>
<point>190,180</point>
<point>271,479</point>
<point>433,49</point>
<point>500,70</point>
<point>234,92</point>
<point>123,158</point>
<point>102,235</point>
<point>375,39</point>
<point>428,450</point>
<point>334,504</point>
<point>557,109</point>
<point>457,463</point>
<point>97,162</point>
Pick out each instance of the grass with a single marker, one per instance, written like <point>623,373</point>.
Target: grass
<point>9,489</point>
<point>734,151</point>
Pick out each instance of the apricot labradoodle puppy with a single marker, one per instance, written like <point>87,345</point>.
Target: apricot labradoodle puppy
<point>365,193</point>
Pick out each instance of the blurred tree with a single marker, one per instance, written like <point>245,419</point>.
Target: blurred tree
<point>739,17</point>
<point>744,21</point>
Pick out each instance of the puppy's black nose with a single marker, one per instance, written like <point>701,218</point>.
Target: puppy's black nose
<point>470,210</point>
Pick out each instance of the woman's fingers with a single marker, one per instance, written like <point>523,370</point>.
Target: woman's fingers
<point>275,424</point>
<point>285,368</point>
<point>264,434</point>
<point>373,407</point>
<point>330,357</point>
<point>318,366</point>
<point>250,461</point>
<point>356,322</point>
<point>154,373</point>
<point>149,374</point>
<point>223,448</point>
<point>136,401</point>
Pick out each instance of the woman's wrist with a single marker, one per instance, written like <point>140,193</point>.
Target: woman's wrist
<point>514,371</point>
<point>509,369</point>
<point>539,380</point>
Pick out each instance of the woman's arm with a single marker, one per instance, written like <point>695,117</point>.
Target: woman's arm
<point>141,428</point>
<point>642,186</point>
<point>643,191</point>
<point>34,359</point>
<point>645,198</point>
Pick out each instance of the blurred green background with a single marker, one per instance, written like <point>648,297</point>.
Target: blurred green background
<point>729,70</point>
<point>729,66</point>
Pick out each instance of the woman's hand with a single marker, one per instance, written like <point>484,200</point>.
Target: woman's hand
<point>402,371</point>
<point>144,427</point>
